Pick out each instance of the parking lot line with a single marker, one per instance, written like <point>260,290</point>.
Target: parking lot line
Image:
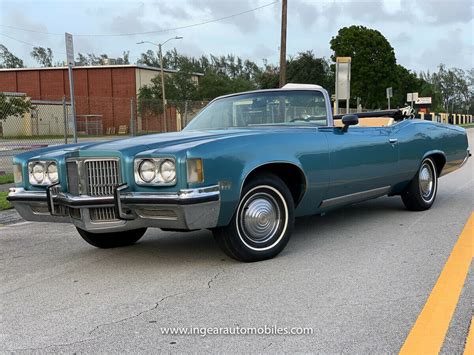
<point>428,333</point>
<point>469,349</point>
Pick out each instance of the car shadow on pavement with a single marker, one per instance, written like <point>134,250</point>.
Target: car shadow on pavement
<point>376,208</point>
<point>199,247</point>
<point>170,248</point>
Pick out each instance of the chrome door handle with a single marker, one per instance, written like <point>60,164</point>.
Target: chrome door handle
<point>393,140</point>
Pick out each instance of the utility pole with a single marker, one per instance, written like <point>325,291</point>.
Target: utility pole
<point>284,8</point>
<point>160,54</point>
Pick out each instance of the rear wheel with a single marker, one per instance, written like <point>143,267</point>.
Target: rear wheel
<point>112,240</point>
<point>420,194</point>
<point>262,223</point>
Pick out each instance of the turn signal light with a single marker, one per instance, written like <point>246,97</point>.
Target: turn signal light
<point>195,170</point>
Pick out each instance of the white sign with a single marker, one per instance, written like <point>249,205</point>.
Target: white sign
<point>343,78</point>
<point>423,101</point>
<point>389,93</point>
<point>69,49</point>
<point>412,96</point>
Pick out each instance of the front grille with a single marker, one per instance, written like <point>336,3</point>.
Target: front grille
<point>103,176</point>
<point>94,177</point>
<point>102,214</point>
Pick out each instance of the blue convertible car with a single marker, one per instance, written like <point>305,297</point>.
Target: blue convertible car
<point>245,167</point>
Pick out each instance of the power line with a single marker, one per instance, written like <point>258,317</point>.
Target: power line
<point>18,40</point>
<point>147,32</point>
<point>27,43</point>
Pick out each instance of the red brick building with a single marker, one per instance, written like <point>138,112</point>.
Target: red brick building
<point>100,91</point>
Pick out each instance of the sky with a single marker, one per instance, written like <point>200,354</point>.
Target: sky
<point>424,33</point>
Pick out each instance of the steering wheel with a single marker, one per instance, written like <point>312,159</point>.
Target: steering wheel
<point>306,119</point>
<point>309,118</point>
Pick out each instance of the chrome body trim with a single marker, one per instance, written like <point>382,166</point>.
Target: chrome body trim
<point>194,208</point>
<point>468,154</point>
<point>446,171</point>
<point>355,197</point>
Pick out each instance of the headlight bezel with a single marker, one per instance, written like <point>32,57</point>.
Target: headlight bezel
<point>45,165</point>
<point>158,179</point>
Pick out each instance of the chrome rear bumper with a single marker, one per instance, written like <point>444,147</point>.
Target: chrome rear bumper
<point>188,209</point>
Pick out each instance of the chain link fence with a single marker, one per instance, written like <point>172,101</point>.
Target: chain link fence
<point>32,124</point>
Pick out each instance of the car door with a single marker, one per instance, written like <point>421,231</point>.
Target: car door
<point>363,163</point>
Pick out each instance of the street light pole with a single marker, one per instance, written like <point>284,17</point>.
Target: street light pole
<point>283,43</point>
<point>160,55</point>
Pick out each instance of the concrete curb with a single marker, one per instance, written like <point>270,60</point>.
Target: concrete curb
<point>10,217</point>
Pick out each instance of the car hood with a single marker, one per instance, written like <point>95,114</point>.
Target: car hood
<point>169,142</point>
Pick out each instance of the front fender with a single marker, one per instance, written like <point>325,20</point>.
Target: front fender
<point>228,162</point>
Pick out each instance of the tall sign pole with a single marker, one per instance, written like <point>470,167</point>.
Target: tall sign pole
<point>284,8</point>
<point>389,95</point>
<point>343,82</point>
<point>70,64</point>
<point>160,54</point>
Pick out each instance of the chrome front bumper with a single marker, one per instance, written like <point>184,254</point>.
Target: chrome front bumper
<point>189,209</point>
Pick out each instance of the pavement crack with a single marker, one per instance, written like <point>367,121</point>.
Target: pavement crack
<point>50,346</point>
<point>213,279</point>
<point>155,306</point>
<point>266,347</point>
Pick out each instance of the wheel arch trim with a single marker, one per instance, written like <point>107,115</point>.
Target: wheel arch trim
<point>251,170</point>
<point>437,153</point>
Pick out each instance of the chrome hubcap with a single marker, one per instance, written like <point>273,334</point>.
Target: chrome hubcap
<point>260,218</point>
<point>426,181</point>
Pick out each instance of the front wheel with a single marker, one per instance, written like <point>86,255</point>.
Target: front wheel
<point>112,240</point>
<point>262,223</point>
<point>421,192</point>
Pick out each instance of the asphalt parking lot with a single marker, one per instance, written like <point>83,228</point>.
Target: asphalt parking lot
<point>359,277</point>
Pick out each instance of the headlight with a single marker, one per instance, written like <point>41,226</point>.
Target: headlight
<point>155,171</point>
<point>37,173</point>
<point>147,170</point>
<point>43,173</point>
<point>52,173</point>
<point>168,171</point>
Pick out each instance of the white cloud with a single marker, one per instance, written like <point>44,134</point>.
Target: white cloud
<point>422,32</point>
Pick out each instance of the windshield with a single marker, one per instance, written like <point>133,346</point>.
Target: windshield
<point>263,108</point>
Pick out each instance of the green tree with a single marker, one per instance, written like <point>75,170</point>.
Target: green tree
<point>102,59</point>
<point>404,82</point>
<point>179,87</point>
<point>149,58</point>
<point>305,68</point>
<point>124,59</point>
<point>13,106</point>
<point>8,59</point>
<point>373,66</point>
<point>268,78</point>
<point>454,87</point>
<point>213,85</point>
<point>44,56</point>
